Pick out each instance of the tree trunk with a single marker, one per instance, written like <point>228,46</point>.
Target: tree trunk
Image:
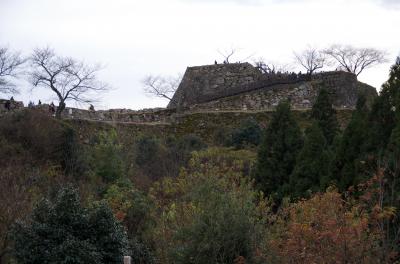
<point>60,109</point>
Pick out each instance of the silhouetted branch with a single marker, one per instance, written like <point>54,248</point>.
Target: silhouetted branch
<point>311,59</point>
<point>10,64</point>
<point>163,87</point>
<point>355,60</point>
<point>69,79</point>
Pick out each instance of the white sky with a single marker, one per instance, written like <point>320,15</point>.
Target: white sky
<point>134,38</point>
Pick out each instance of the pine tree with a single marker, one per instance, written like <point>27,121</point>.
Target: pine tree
<point>312,164</point>
<point>351,147</point>
<point>66,232</point>
<point>394,142</point>
<point>277,153</point>
<point>384,110</point>
<point>323,112</point>
<point>390,123</point>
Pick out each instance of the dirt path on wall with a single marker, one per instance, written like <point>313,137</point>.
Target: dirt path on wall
<point>198,112</point>
<point>121,122</point>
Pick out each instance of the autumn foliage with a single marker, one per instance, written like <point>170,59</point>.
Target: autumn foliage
<point>324,229</point>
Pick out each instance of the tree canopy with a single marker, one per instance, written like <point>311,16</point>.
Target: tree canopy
<point>277,153</point>
<point>65,232</point>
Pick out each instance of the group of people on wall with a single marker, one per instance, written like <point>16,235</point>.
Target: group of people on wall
<point>11,104</point>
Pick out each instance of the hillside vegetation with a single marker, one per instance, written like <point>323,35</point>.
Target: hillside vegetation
<point>318,186</point>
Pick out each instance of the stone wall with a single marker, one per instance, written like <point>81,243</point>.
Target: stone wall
<point>232,87</point>
<point>156,115</point>
<point>343,87</point>
<point>301,96</point>
<point>205,83</point>
<point>367,91</point>
<point>217,86</point>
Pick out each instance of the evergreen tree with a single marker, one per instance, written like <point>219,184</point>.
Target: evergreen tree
<point>390,123</point>
<point>277,153</point>
<point>248,133</point>
<point>394,142</point>
<point>323,112</point>
<point>351,151</point>
<point>382,119</point>
<point>312,164</point>
<point>107,157</point>
<point>66,232</point>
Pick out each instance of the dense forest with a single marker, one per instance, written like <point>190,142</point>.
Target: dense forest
<point>279,193</point>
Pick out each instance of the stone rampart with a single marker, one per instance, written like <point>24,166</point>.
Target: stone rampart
<point>213,84</point>
<point>343,88</point>
<point>231,87</point>
<point>301,96</point>
<point>205,83</point>
<point>156,115</point>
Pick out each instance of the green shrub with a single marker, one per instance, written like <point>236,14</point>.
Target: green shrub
<point>107,157</point>
<point>65,232</point>
<point>209,213</point>
<point>248,133</point>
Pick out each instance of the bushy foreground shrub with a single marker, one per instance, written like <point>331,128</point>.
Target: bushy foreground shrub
<point>64,231</point>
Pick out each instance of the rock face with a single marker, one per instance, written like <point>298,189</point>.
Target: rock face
<point>204,83</point>
<point>241,86</point>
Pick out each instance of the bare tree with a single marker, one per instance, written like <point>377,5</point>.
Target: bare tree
<point>271,67</point>
<point>355,60</point>
<point>69,79</point>
<point>10,63</point>
<point>163,87</point>
<point>228,53</point>
<point>310,59</point>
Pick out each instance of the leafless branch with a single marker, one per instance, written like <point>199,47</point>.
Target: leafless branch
<point>271,67</point>
<point>69,79</point>
<point>163,87</point>
<point>311,59</point>
<point>227,54</point>
<point>355,60</point>
<point>10,63</point>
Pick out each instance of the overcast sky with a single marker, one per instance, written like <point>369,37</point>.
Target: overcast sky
<point>134,38</point>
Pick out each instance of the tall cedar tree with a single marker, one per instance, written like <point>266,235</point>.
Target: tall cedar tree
<point>383,114</point>
<point>65,232</point>
<point>392,166</point>
<point>323,112</point>
<point>277,153</point>
<point>312,164</point>
<point>349,154</point>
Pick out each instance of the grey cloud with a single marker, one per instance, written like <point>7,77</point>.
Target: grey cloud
<point>385,3</point>
<point>390,3</point>
<point>240,2</point>
<point>245,2</point>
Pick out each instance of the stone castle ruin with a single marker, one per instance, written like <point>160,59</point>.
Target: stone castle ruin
<point>234,87</point>
<point>241,86</point>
